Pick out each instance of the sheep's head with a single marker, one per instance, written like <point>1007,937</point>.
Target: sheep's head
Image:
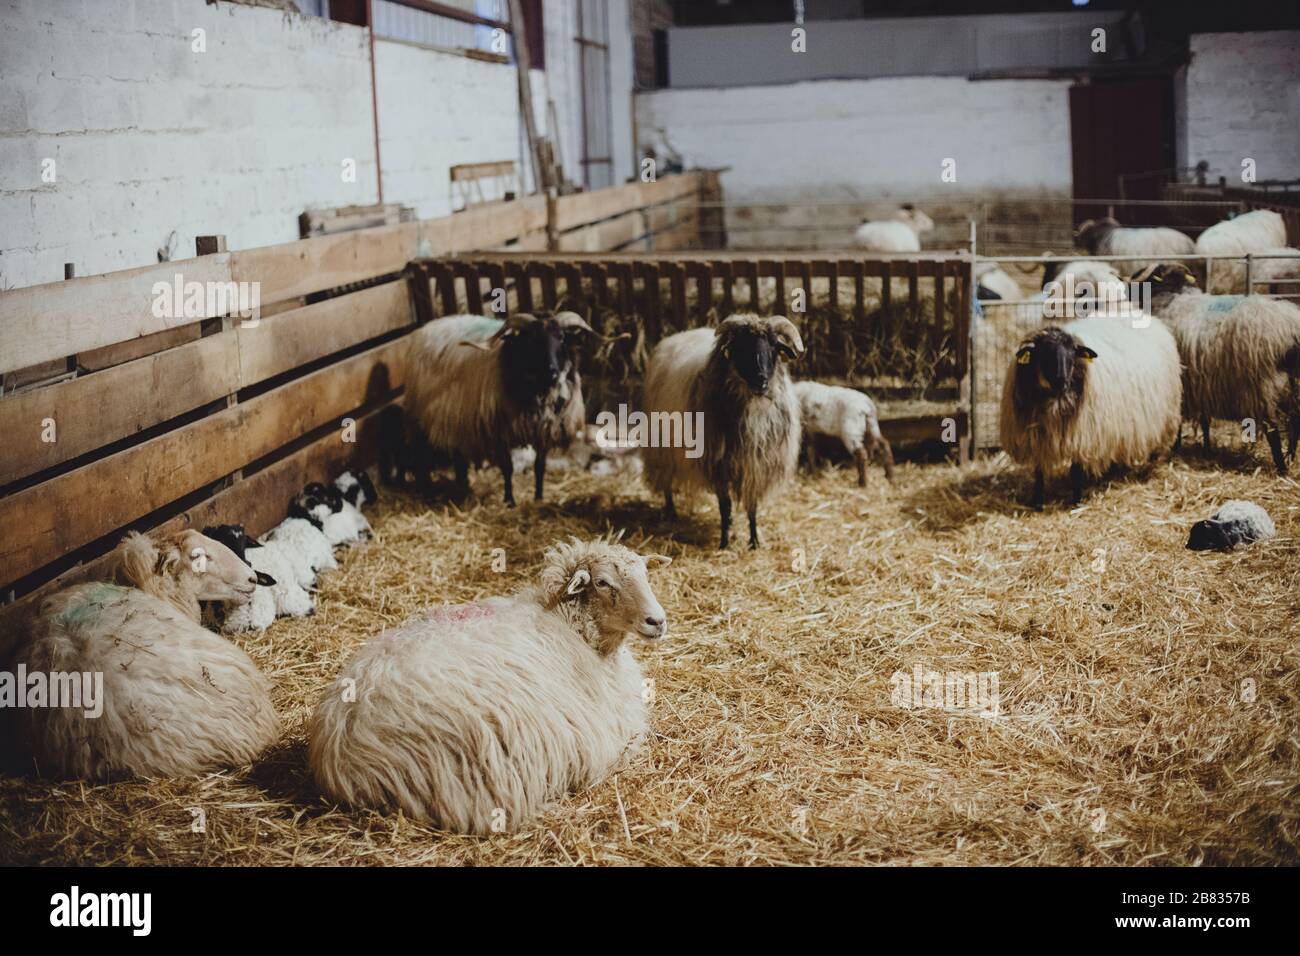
<point>918,221</point>
<point>753,346</point>
<point>1092,231</point>
<point>315,503</point>
<point>609,584</point>
<point>1052,364</point>
<point>1170,278</point>
<point>187,565</point>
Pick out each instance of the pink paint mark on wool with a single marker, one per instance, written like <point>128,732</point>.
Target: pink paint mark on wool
<point>458,613</point>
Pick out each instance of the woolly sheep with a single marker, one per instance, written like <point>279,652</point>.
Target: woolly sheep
<point>471,717</point>
<point>901,233</point>
<point>1095,283</point>
<point>1257,231</point>
<point>288,598</point>
<point>306,547</point>
<point>1236,523</point>
<point>177,699</point>
<point>991,278</point>
<point>848,415</point>
<point>1241,356</point>
<point>1098,391</point>
<point>733,379</point>
<point>1106,237</point>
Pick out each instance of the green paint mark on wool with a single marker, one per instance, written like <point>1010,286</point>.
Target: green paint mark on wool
<point>1222,303</point>
<point>483,328</point>
<point>93,600</point>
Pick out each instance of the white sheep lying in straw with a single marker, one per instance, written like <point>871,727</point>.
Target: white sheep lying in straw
<point>850,416</point>
<point>177,699</point>
<point>471,717</point>
<point>901,233</point>
<point>1090,394</point>
<point>1241,356</point>
<point>1257,231</point>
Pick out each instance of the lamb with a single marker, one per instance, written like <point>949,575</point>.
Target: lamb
<point>306,547</point>
<point>848,415</point>
<point>1256,231</point>
<point>733,380</point>
<point>340,521</point>
<point>177,699</point>
<point>1096,392</point>
<point>1236,523</point>
<point>287,597</point>
<point>473,401</point>
<point>471,717</point>
<point>901,233</point>
<point>1106,237</point>
<point>356,489</point>
<point>1241,356</point>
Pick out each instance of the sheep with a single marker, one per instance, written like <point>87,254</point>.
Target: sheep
<point>473,401</point>
<point>901,233</point>
<point>1256,231</point>
<point>1241,356</point>
<point>340,521</point>
<point>561,414</point>
<point>306,547</point>
<point>1092,283</point>
<point>1237,522</point>
<point>733,380</point>
<point>471,717</point>
<point>1106,237</point>
<point>1097,391</point>
<point>357,489</point>
<point>995,283</point>
<point>177,699</point>
<point>1264,272</point>
<point>848,415</point>
<point>287,597</point>
<point>255,614</point>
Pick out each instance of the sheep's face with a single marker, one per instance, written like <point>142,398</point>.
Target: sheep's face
<point>209,570</point>
<point>534,356</point>
<point>753,347</point>
<point>613,585</point>
<point>316,502</point>
<point>919,222</point>
<point>1092,231</point>
<point>1051,364</point>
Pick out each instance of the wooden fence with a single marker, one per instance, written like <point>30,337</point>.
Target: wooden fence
<point>173,417</point>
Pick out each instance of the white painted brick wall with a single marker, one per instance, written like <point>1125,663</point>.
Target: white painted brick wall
<point>850,139</point>
<point>1243,100</point>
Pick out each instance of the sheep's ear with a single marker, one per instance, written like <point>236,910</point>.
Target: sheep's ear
<point>1023,354</point>
<point>265,580</point>
<point>1085,353</point>
<point>657,560</point>
<point>579,581</point>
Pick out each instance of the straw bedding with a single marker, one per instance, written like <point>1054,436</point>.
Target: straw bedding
<point>1126,733</point>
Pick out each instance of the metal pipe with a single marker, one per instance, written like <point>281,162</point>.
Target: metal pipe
<point>374,99</point>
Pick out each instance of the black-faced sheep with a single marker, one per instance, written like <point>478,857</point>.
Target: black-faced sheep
<point>850,416</point>
<point>471,717</point>
<point>1261,230</point>
<point>476,401</point>
<point>1236,523</point>
<point>734,379</point>
<point>1106,237</point>
<point>1093,393</point>
<point>1241,356</point>
<point>901,233</point>
<point>177,699</point>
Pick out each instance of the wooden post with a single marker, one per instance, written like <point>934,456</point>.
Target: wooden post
<point>519,36</point>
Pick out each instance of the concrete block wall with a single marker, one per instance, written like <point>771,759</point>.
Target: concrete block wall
<point>1242,101</point>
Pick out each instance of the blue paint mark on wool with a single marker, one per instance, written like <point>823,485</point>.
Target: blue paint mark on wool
<point>483,328</point>
<point>1222,303</point>
<point>93,600</point>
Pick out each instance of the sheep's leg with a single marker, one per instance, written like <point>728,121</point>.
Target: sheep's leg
<point>724,509</point>
<point>539,474</point>
<point>1178,441</point>
<point>753,529</point>
<point>860,459</point>
<point>886,458</point>
<point>507,473</point>
<point>1275,446</point>
<point>424,466</point>
<point>670,509</point>
<point>461,464</point>
<point>1205,430</point>
<point>1076,482</point>
<point>1038,489</point>
<point>812,453</point>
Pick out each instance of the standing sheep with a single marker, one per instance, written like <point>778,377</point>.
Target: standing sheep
<point>850,416</point>
<point>1241,356</point>
<point>1106,237</point>
<point>901,233</point>
<point>471,717</point>
<point>1090,394</point>
<point>177,699</point>
<point>1257,231</point>
<point>472,383</point>
<point>734,378</point>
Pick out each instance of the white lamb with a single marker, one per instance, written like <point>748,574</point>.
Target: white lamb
<point>901,233</point>
<point>848,415</point>
<point>306,547</point>
<point>471,717</point>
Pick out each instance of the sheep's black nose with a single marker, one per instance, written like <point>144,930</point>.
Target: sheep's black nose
<point>253,579</point>
<point>655,621</point>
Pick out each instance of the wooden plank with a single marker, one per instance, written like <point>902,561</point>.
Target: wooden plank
<point>326,262</point>
<point>887,288</point>
<point>913,290</point>
<point>482,227</point>
<point>581,209</point>
<point>546,272</point>
<point>781,304</point>
<point>51,321</point>
<point>292,339</point>
<point>473,288</point>
<point>94,360</point>
<point>603,236</point>
<point>936,332</point>
<point>114,491</point>
<point>723,269</point>
<point>704,291</point>
<point>677,275</point>
<point>96,410</point>
<point>463,172</point>
<point>650,279</point>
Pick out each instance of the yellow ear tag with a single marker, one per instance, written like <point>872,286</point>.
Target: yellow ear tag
<point>1023,358</point>
<point>1087,358</point>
